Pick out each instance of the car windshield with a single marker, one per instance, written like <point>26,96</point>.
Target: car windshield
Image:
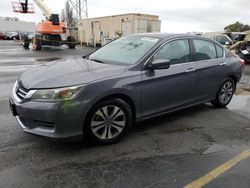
<point>126,50</point>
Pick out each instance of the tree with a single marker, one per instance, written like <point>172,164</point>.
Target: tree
<point>237,27</point>
<point>67,15</point>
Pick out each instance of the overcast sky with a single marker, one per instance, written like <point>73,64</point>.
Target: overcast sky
<point>176,15</point>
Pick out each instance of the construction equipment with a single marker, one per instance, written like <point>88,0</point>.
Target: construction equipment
<point>48,32</point>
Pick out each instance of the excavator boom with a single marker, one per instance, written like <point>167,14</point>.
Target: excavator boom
<point>44,8</point>
<point>48,32</point>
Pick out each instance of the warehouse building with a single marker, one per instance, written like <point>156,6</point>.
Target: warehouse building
<point>98,31</point>
<point>13,24</point>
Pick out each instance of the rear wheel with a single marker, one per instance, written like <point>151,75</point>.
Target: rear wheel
<point>71,42</point>
<point>109,121</point>
<point>225,93</point>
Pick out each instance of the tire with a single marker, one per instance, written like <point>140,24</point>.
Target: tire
<point>71,42</point>
<point>37,43</point>
<point>225,93</point>
<point>25,41</point>
<point>108,121</point>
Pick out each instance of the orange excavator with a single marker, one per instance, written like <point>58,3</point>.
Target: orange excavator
<point>49,32</point>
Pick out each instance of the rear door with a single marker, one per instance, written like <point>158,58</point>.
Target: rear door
<point>208,65</point>
<point>169,88</point>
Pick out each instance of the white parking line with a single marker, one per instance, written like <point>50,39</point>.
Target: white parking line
<point>16,68</point>
<point>8,50</point>
<point>4,99</point>
<point>17,60</point>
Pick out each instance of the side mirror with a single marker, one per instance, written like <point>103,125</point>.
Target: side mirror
<point>159,64</point>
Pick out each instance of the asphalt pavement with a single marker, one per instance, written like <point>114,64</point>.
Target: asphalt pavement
<point>195,147</point>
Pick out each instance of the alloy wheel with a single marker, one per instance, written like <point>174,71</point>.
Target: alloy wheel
<point>108,122</point>
<point>226,92</point>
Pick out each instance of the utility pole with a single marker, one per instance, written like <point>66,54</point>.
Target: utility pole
<point>80,7</point>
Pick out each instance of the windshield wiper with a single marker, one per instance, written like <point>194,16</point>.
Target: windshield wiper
<point>96,60</point>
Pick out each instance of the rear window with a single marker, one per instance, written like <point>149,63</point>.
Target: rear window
<point>204,50</point>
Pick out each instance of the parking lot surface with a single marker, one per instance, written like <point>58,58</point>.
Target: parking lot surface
<point>195,147</point>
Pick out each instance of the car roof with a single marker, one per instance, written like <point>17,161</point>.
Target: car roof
<point>162,35</point>
<point>167,35</point>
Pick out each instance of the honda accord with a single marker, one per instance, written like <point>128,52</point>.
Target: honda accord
<point>101,95</point>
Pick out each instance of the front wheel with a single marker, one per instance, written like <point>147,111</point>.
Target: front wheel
<point>25,41</point>
<point>225,93</point>
<point>37,43</point>
<point>109,121</point>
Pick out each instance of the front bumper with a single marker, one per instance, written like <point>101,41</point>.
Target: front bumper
<point>53,120</point>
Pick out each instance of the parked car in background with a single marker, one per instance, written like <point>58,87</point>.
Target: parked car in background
<point>23,33</point>
<point>26,38</point>
<point>242,48</point>
<point>2,35</point>
<point>13,35</point>
<point>223,39</point>
<point>236,36</point>
<point>128,80</point>
<point>244,52</point>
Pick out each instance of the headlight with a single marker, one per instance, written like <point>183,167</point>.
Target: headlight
<point>60,94</point>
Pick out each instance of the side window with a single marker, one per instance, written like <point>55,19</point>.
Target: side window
<point>204,50</point>
<point>177,51</point>
<point>220,51</point>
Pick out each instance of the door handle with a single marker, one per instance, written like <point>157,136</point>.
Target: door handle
<point>223,63</point>
<point>190,70</point>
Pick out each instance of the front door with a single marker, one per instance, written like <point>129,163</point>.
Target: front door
<point>169,88</point>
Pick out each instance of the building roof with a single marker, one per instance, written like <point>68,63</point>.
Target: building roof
<point>128,14</point>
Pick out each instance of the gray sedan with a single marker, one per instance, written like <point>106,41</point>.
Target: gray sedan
<point>131,79</point>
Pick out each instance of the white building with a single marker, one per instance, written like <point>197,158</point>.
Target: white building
<point>98,30</point>
<point>13,24</point>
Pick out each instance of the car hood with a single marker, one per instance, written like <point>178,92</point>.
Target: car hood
<point>67,72</point>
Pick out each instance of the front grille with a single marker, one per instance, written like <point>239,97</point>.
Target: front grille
<point>45,124</point>
<point>21,92</point>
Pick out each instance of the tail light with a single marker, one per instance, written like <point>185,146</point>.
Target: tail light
<point>242,62</point>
